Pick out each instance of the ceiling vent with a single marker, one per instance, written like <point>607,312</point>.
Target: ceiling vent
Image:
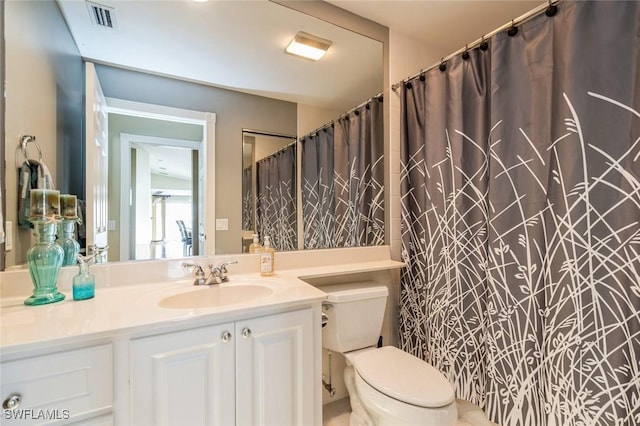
<point>102,16</point>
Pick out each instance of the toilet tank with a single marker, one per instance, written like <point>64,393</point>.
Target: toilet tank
<point>354,315</point>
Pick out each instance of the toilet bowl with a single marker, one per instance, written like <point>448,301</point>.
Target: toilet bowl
<point>395,388</point>
<point>387,386</point>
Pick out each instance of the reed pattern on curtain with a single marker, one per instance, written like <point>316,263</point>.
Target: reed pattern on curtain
<point>276,199</point>
<point>521,220</point>
<point>247,200</point>
<point>343,181</point>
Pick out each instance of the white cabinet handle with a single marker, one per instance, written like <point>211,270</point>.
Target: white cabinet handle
<point>246,332</point>
<point>12,402</point>
<point>226,336</point>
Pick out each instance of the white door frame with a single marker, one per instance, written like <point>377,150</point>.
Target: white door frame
<point>128,141</point>
<point>207,173</point>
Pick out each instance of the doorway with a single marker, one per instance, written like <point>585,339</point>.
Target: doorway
<point>161,179</point>
<point>163,194</point>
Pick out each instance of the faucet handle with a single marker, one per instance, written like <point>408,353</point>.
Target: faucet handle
<point>223,266</point>
<point>219,273</point>
<point>197,269</point>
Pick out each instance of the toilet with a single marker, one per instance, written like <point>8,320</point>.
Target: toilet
<point>387,386</point>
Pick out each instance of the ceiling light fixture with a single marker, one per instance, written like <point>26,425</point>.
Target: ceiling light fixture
<point>308,46</point>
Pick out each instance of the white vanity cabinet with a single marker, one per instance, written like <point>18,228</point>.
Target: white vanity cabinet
<point>61,387</point>
<point>256,371</point>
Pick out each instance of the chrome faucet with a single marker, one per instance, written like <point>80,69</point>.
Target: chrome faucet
<point>198,273</point>
<point>218,274</point>
<point>97,253</point>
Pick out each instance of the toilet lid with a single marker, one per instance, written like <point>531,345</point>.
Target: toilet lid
<point>404,377</point>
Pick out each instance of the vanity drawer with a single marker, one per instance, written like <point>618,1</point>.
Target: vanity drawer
<point>62,386</point>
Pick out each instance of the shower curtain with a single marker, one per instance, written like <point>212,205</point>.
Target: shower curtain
<point>520,195</point>
<point>276,199</point>
<point>343,181</point>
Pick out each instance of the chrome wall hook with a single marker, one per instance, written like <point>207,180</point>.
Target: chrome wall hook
<point>24,142</point>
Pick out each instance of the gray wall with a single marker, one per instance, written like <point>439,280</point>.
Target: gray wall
<point>234,111</point>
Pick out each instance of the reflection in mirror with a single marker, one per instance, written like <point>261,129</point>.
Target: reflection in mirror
<point>285,95</point>
<point>163,174</point>
<point>343,180</point>
<point>269,189</point>
<point>158,164</point>
<point>248,189</point>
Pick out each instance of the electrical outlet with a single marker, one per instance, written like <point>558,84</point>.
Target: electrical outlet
<point>222,224</point>
<point>8,236</point>
<point>111,225</point>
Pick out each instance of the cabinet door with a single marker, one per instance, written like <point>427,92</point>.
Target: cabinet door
<point>274,358</point>
<point>70,386</point>
<point>184,378</point>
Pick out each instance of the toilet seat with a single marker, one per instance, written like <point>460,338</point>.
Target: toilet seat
<point>403,377</point>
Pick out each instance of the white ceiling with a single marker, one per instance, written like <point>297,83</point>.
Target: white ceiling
<point>444,24</point>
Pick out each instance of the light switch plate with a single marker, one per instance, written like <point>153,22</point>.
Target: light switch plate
<point>222,224</point>
<point>111,225</point>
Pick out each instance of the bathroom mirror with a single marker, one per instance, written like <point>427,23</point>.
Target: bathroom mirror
<point>248,90</point>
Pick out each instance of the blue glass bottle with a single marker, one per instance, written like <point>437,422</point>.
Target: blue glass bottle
<point>44,259</point>
<point>84,284</point>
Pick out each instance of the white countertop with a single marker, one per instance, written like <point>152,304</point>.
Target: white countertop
<point>132,308</point>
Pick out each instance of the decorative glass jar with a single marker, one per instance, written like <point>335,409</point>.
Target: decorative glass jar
<point>69,245</point>
<point>44,259</point>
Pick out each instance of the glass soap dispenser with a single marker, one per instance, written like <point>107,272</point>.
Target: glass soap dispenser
<point>267,258</point>
<point>255,246</point>
<point>84,284</point>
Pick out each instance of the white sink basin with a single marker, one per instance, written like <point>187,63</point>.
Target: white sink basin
<point>215,295</point>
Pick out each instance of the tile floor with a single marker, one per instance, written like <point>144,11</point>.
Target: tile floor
<point>337,414</point>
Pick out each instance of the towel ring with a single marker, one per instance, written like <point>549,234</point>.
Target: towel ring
<point>26,139</point>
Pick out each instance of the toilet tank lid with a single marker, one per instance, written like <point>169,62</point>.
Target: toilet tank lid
<point>404,377</point>
<point>354,291</point>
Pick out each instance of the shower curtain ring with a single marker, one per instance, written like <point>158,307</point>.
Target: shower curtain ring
<point>483,44</point>
<point>551,10</point>
<point>465,54</point>
<point>443,65</point>
<point>513,30</point>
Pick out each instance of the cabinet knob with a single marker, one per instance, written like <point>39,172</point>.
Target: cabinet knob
<point>12,402</point>
<point>226,336</point>
<point>246,332</point>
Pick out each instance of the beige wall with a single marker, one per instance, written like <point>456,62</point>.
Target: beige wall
<point>311,118</point>
<point>407,56</point>
<point>267,145</point>
<point>43,90</point>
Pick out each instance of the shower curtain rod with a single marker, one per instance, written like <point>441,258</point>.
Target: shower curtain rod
<point>514,22</point>
<point>278,151</point>
<point>263,133</point>
<point>342,115</point>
